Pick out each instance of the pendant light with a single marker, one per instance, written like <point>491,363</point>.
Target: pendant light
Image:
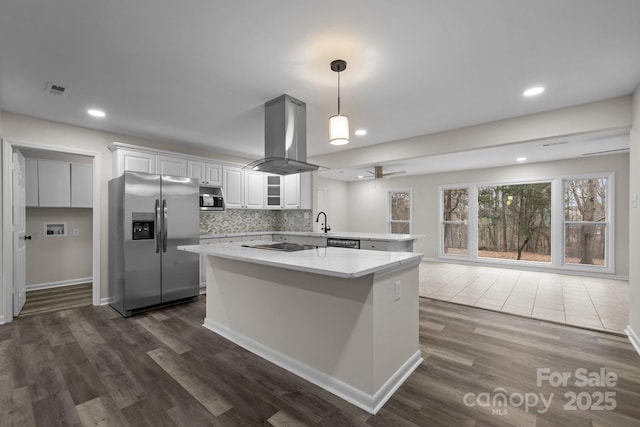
<point>338,124</point>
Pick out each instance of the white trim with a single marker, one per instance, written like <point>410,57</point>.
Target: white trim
<point>105,301</point>
<point>367,402</point>
<point>7,247</point>
<point>50,285</point>
<point>7,240</point>
<point>530,266</point>
<point>633,338</point>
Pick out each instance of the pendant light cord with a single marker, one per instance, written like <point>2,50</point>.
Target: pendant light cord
<point>338,93</point>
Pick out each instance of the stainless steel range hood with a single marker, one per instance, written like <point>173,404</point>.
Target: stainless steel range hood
<point>285,138</point>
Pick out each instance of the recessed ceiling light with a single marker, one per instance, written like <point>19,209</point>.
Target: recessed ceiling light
<point>521,159</point>
<point>359,177</point>
<point>360,132</point>
<point>533,91</point>
<point>96,113</point>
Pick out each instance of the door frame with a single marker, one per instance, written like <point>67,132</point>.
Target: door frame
<point>7,205</point>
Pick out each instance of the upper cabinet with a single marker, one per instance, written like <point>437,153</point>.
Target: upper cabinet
<point>81,185</point>
<point>31,182</point>
<point>209,174</point>
<point>58,184</point>
<point>243,188</point>
<point>170,165</point>
<point>135,161</point>
<point>54,184</point>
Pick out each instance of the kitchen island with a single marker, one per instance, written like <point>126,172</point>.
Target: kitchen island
<point>343,319</point>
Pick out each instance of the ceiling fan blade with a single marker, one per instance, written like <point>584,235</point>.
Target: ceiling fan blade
<point>395,173</point>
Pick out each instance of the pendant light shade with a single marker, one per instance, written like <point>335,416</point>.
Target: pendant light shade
<point>338,124</point>
<point>339,130</point>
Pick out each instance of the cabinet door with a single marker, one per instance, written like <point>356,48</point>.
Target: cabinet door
<point>233,187</point>
<point>254,190</point>
<point>291,191</point>
<point>135,161</point>
<point>169,165</point>
<point>54,183</point>
<point>31,182</point>
<point>81,185</point>
<point>213,174</point>
<point>196,170</point>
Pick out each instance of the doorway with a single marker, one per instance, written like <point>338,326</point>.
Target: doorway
<point>62,267</point>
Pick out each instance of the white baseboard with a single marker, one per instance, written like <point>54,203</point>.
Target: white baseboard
<point>635,341</point>
<point>105,301</point>
<point>50,285</point>
<point>367,402</point>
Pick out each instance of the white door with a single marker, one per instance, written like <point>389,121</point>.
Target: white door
<point>18,222</point>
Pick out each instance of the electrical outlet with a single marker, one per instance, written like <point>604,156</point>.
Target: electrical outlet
<point>396,290</point>
<point>76,231</point>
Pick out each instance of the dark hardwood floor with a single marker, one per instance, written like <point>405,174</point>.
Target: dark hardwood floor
<point>55,299</point>
<point>89,366</point>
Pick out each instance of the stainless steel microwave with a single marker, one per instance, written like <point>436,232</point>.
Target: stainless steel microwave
<point>211,199</point>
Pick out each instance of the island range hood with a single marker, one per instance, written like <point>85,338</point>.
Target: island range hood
<point>285,138</point>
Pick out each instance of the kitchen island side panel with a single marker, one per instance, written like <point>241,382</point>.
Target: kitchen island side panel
<point>323,322</point>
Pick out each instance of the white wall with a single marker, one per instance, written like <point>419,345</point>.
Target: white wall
<point>634,225</point>
<point>58,258</point>
<point>368,199</point>
<point>336,198</point>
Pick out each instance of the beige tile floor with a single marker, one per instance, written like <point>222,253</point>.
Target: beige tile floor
<point>594,303</point>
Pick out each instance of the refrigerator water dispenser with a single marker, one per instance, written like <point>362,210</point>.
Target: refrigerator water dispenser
<point>143,225</point>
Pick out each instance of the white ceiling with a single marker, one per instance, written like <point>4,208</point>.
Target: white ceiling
<point>198,73</point>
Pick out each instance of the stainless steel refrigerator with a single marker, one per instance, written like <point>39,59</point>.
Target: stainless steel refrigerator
<point>149,216</point>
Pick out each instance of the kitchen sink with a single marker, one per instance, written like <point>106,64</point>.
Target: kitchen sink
<point>284,247</point>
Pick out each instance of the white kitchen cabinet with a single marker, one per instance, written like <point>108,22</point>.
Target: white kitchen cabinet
<point>170,165</point>
<point>243,189</point>
<point>213,174</point>
<point>254,190</point>
<point>54,184</point>
<point>31,182</point>
<point>233,187</point>
<point>195,169</point>
<point>81,185</point>
<point>209,174</point>
<point>291,191</point>
<point>134,161</point>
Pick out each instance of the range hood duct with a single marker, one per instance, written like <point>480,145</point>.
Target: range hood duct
<point>285,138</point>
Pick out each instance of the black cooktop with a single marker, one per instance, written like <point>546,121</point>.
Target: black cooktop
<point>281,246</point>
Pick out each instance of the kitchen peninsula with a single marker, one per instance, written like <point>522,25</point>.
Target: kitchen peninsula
<point>343,319</point>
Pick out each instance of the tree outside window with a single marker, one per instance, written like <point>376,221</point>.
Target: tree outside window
<point>400,212</point>
<point>514,222</point>
<point>455,217</point>
<point>585,219</point>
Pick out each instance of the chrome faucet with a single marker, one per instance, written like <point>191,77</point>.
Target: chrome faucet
<point>325,227</point>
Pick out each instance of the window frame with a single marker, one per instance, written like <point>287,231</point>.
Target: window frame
<point>442,222</point>
<point>609,246</point>
<point>389,220</point>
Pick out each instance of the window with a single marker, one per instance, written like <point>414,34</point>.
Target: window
<point>514,222</point>
<point>585,221</point>
<point>564,222</point>
<point>455,215</point>
<point>400,211</point>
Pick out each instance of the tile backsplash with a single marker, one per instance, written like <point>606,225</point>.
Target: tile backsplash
<point>248,220</point>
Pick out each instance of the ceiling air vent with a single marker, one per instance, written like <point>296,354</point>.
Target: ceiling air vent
<point>553,144</point>
<point>56,89</point>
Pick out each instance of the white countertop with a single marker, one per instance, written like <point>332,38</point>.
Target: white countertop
<point>337,262</point>
<point>388,237</point>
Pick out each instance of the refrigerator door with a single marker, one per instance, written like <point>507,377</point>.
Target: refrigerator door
<point>141,250</point>
<point>179,207</point>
